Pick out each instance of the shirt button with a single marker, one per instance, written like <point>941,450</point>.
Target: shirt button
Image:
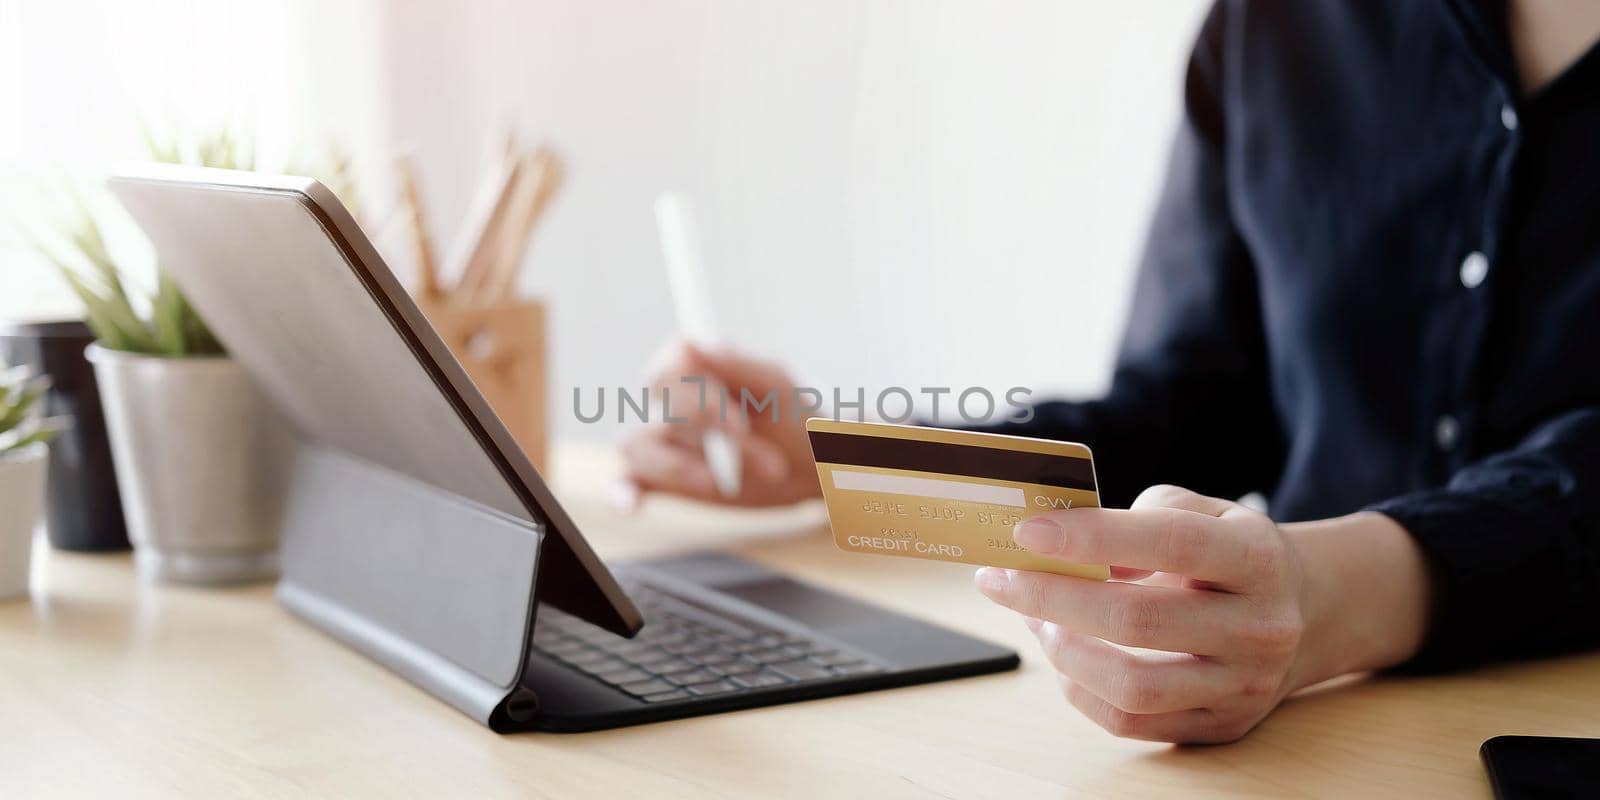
<point>1474,268</point>
<point>1508,117</point>
<point>1446,431</point>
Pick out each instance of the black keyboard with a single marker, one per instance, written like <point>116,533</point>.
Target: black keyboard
<point>688,649</point>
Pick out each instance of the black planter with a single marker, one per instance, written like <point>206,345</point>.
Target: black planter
<point>83,510</point>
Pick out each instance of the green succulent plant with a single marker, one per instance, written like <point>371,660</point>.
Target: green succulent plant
<point>20,423</point>
<point>170,326</point>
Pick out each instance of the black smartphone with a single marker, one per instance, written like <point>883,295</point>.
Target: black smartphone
<point>1540,767</point>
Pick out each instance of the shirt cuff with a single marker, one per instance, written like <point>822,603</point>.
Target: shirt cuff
<point>1495,548</point>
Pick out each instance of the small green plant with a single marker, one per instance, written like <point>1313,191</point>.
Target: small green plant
<point>20,423</point>
<point>169,326</point>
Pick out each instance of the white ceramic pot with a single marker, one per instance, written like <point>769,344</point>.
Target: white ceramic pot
<point>21,499</point>
<point>201,464</point>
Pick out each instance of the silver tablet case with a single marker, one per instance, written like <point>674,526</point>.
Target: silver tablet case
<point>364,561</point>
<point>414,529</point>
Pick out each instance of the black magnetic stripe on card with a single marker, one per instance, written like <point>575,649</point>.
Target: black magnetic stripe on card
<point>1067,472</point>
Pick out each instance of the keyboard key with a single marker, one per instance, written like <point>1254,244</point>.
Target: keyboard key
<point>709,617</point>
<point>858,668</point>
<point>712,658</point>
<point>606,667</point>
<point>649,657</point>
<point>584,656</point>
<point>720,687</point>
<point>625,676</point>
<point>652,685</point>
<point>800,670</point>
<point>692,677</point>
<point>667,639</point>
<point>662,697</point>
<point>670,666</point>
<point>647,687</point>
<point>774,656</point>
<point>759,680</point>
<point>626,647</point>
<point>593,635</point>
<point>560,646</point>
<point>740,667</point>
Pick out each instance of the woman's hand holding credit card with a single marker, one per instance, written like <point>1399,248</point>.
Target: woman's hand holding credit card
<point>1199,633</point>
<point>1198,637</point>
<point>1184,618</point>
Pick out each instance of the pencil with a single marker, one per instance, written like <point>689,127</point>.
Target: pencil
<point>541,179</point>
<point>475,246</point>
<point>691,302</point>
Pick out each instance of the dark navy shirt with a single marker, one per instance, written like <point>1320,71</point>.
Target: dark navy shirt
<point>1373,281</point>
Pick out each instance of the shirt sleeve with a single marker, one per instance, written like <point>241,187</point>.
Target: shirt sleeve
<point>1189,401</point>
<point>1513,542</point>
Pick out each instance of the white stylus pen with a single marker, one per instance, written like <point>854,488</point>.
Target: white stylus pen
<point>691,301</point>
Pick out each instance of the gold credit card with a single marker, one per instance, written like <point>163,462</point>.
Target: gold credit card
<point>904,490</point>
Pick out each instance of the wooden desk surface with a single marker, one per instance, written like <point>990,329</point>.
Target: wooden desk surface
<point>109,686</point>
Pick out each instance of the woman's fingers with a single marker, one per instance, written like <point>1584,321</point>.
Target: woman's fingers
<point>733,368</point>
<point>665,459</point>
<point>1193,726</point>
<point>1165,495</point>
<point>692,405</point>
<point>720,388</point>
<point>1229,550</point>
<point>1154,617</point>
<point>623,494</point>
<point>764,460</point>
<point>1139,683</point>
<point>689,392</point>
<point>657,463</point>
<point>1129,574</point>
<point>1226,656</point>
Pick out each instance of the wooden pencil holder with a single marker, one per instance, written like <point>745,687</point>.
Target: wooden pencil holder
<point>502,348</point>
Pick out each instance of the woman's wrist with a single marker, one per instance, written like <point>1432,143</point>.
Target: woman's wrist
<point>1365,595</point>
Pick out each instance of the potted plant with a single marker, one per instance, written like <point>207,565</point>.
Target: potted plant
<point>22,470</point>
<point>200,456</point>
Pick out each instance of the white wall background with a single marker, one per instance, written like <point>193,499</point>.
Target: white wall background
<point>79,78</point>
<point>912,192</point>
